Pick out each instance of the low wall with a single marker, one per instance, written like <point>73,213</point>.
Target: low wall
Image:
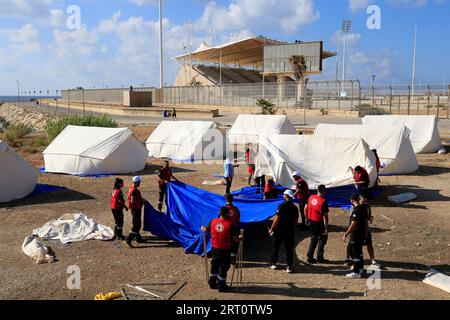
<point>144,111</point>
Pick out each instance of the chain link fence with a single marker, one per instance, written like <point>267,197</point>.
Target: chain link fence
<point>320,95</point>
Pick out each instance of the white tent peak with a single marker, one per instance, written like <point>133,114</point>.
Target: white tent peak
<point>248,128</point>
<point>18,177</point>
<point>391,142</point>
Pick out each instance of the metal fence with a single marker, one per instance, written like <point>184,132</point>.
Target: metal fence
<point>336,95</point>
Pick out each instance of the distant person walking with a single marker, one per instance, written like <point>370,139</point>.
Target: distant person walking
<point>317,214</point>
<point>165,176</point>
<point>302,193</point>
<point>174,114</point>
<point>135,203</point>
<point>228,174</point>
<point>117,206</point>
<point>283,231</point>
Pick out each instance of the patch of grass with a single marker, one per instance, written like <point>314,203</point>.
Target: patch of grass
<point>40,142</point>
<point>54,128</point>
<point>443,106</point>
<point>323,111</point>
<point>17,131</point>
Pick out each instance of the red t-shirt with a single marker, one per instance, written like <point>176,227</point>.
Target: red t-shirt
<point>303,187</point>
<point>362,177</point>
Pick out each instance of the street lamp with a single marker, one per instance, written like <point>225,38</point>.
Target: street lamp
<point>18,90</point>
<point>161,58</point>
<point>373,90</point>
<point>346,26</point>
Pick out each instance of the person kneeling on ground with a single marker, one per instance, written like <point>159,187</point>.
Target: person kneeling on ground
<point>358,233</point>
<point>317,217</point>
<point>135,203</point>
<point>117,206</point>
<point>283,230</point>
<point>223,235</point>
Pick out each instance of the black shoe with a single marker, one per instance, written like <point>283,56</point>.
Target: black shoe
<point>140,240</point>
<point>213,283</point>
<point>128,243</point>
<point>311,261</point>
<point>348,263</point>
<point>120,237</point>
<point>223,287</point>
<point>324,261</point>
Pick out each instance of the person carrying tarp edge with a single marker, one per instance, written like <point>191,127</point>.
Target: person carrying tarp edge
<point>135,204</point>
<point>302,193</point>
<point>223,236</point>
<point>165,176</point>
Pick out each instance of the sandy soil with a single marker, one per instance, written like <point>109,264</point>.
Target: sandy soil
<point>409,239</point>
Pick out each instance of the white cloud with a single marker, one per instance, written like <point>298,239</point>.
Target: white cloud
<point>22,40</point>
<point>286,15</point>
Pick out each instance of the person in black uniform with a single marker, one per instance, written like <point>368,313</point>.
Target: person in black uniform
<point>358,233</point>
<point>368,241</point>
<point>223,236</point>
<point>283,230</point>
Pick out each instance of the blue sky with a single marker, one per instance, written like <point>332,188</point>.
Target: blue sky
<point>117,41</point>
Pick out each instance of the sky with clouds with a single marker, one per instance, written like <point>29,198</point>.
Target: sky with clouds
<point>117,41</point>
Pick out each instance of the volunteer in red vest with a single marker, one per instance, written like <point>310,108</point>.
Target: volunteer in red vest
<point>362,179</point>
<point>117,206</point>
<point>164,177</point>
<point>317,215</point>
<point>223,235</point>
<point>135,204</point>
<point>235,217</point>
<point>302,193</point>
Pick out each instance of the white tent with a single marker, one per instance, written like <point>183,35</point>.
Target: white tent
<point>248,128</point>
<point>92,151</point>
<point>392,143</point>
<point>424,130</point>
<point>17,177</point>
<point>186,141</point>
<point>320,160</point>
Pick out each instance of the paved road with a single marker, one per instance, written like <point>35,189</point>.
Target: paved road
<point>228,119</point>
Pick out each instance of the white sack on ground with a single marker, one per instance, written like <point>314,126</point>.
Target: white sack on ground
<point>36,250</point>
<point>74,228</point>
<point>424,130</point>
<point>17,177</point>
<point>392,143</point>
<point>186,141</point>
<point>248,128</point>
<point>92,151</point>
<point>320,160</point>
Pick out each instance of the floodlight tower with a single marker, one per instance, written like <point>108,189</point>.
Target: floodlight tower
<point>346,26</point>
<point>161,58</point>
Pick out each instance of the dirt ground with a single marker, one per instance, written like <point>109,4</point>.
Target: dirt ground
<point>409,240</point>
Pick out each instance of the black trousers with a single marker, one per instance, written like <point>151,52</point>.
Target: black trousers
<point>289,243</point>
<point>229,182</point>
<point>220,263</point>
<point>260,183</point>
<point>118,218</point>
<point>301,205</point>
<point>356,250</point>
<point>317,239</point>
<point>162,194</point>
<point>137,224</point>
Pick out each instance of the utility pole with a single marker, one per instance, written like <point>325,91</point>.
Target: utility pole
<point>161,51</point>
<point>18,90</point>
<point>413,84</point>
<point>337,60</point>
<point>346,26</point>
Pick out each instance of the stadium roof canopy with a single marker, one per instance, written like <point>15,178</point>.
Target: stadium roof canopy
<point>245,52</point>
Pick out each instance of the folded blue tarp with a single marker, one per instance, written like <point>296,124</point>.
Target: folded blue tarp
<point>190,208</point>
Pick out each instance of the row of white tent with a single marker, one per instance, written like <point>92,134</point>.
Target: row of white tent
<point>324,158</point>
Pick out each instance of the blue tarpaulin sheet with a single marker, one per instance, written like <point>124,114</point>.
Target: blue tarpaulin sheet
<point>189,208</point>
<point>95,176</point>
<point>43,189</point>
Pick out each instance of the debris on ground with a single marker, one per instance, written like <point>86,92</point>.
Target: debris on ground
<point>439,280</point>
<point>402,198</point>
